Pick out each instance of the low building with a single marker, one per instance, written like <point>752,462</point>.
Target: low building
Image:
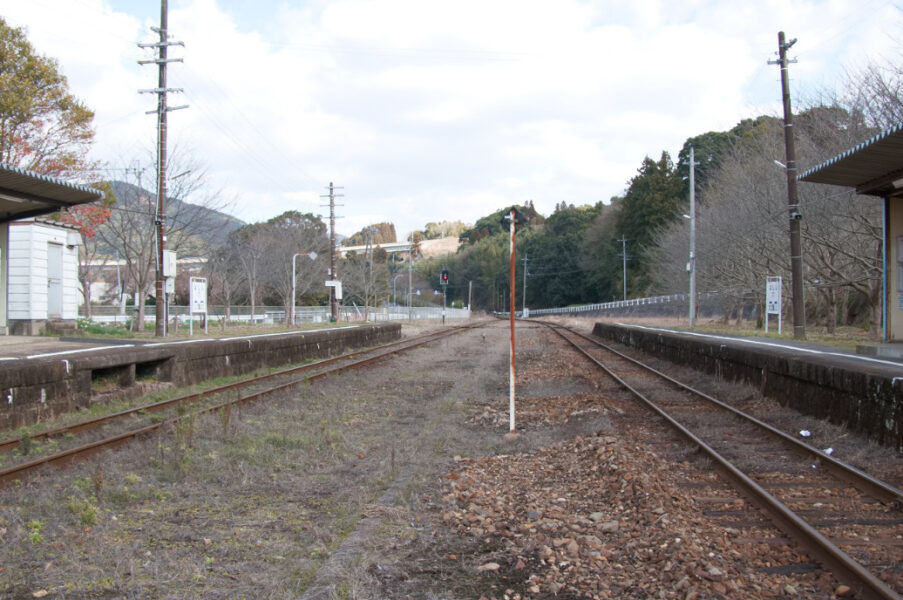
<point>43,275</point>
<point>875,168</point>
<point>25,195</point>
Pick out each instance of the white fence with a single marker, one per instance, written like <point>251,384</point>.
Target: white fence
<point>273,315</point>
<point>670,299</point>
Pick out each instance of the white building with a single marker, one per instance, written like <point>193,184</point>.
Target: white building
<point>43,275</point>
<point>24,195</point>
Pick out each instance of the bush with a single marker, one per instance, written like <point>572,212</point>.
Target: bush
<point>116,330</point>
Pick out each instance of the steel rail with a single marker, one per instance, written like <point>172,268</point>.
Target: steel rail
<point>845,568</point>
<point>84,451</point>
<point>13,443</point>
<point>861,480</point>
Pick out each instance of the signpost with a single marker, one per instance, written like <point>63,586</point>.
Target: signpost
<point>773,300</point>
<point>197,301</point>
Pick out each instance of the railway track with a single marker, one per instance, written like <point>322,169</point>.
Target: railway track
<point>849,521</point>
<point>80,440</point>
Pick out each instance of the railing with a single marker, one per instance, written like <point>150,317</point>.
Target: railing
<point>272,315</point>
<point>620,304</point>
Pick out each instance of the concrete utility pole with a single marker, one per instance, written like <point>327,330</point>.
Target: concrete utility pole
<point>334,276</point>
<point>796,251</point>
<point>623,241</point>
<point>160,217</point>
<point>512,216</point>
<point>692,263</point>
<point>410,275</point>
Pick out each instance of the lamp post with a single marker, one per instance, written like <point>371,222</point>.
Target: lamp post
<point>312,256</point>
<point>394,279</point>
<point>691,266</point>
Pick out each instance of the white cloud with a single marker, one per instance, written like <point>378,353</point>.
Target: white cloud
<point>429,111</point>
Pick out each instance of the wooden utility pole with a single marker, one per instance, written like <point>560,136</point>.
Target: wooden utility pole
<point>160,214</point>
<point>796,252</point>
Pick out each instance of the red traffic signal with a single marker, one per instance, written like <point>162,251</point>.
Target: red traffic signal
<point>443,277</point>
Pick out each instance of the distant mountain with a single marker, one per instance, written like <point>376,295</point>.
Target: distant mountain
<point>209,226</point>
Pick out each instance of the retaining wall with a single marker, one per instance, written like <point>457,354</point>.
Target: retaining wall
<point>41,388</point>
<point>865,398</point>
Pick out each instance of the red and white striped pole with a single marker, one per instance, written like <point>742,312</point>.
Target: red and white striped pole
<point>511,304</point>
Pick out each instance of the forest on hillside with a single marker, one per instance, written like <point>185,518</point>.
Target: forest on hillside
<point>577,254</point>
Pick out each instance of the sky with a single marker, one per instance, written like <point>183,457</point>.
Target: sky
<point>427,111</point>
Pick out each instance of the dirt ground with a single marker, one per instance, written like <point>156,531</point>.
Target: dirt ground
<point>396,481</point>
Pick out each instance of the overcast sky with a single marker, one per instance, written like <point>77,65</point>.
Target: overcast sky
<point>430,111</point>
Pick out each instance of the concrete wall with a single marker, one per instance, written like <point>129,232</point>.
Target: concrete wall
<point>34,390</point>
<point>866,399</point>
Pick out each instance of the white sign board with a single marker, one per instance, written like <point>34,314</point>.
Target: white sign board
<point>169,263</point>
<point>197,301</point>
<point>338,288</point>
<point>198,295</point>
<point>773,300</point>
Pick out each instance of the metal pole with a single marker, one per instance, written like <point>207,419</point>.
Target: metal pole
<point>524,309</point>
<point>624,268</point>
<point>410,273</point>
<point>692,239</point>
<point>511,216</point>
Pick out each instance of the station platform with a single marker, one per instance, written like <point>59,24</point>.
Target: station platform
<point>41,377</point>
<point>864,393</point>
<point>24,346</point>
<point>871,356</point>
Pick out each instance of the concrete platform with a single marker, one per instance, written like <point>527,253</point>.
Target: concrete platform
<point>42,377</point>
<point>888,351</point>
<point>864,393</point>
<point>24,346</point>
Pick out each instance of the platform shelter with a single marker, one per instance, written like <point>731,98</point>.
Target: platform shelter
<point>25,194</point>
<point>875,168</point>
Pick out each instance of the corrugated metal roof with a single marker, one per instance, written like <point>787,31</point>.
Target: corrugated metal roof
<point>871,167</point>
<point>27,194</point>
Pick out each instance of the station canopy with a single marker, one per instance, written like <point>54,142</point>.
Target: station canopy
<point>874,167</point>
<point>25,194</point>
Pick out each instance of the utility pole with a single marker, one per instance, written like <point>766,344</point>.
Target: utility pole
<point>160,216</point>
<point>692,263</point>
<point>623,241</point>
<point>796,252</point>
<point>524,309</point>
<point>334,276</point>
<point>410,275</point>
<point>512,217</point>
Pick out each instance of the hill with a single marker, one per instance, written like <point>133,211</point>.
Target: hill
<point>207,226</point>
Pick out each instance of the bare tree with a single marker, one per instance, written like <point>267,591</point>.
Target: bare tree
<point>251,244</point>
<point>131,232</point>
